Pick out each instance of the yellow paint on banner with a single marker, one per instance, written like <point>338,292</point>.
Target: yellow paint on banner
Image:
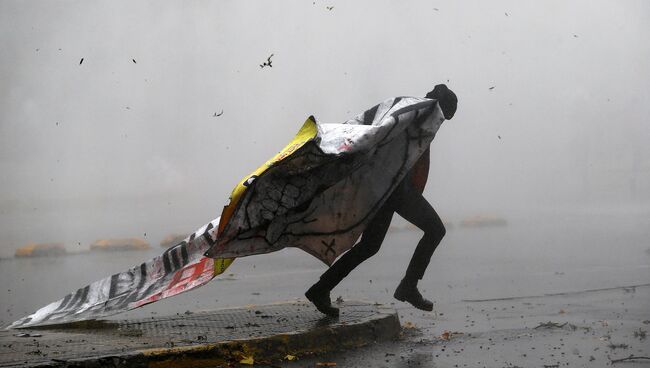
<point>221,264</point>
<point>304,135</point>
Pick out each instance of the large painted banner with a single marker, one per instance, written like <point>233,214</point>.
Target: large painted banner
<point>321,196</point>
<point>317,194</point>
<point>180,268</point>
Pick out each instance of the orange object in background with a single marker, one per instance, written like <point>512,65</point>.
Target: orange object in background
<point>40,250</point>
<point>483,221</point>
<point>119,244</point>
<point>172,239</point>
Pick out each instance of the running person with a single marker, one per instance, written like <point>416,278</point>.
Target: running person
<point>407,201</point>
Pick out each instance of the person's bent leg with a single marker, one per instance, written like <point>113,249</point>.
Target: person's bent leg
<point>415,209</point>
<point>368,246</point>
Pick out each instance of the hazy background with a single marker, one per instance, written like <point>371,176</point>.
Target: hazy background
<point>114,148</point>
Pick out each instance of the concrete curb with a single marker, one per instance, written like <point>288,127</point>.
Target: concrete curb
<point>382,325</point>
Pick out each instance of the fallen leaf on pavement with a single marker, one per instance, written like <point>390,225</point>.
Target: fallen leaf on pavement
<point>247,360</point>
<point>550,324</point>
<point>447,335</point>
<point>409,325</point>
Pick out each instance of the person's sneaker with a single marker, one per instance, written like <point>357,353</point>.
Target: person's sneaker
<point>409,293</point>
<point>322,301</point>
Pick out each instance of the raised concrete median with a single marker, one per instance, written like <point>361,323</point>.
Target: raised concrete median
<point>257,334</point>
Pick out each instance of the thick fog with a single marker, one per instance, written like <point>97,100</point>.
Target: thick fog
<point>552,116</point>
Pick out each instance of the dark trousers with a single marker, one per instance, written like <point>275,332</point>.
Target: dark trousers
<point>409,203</point>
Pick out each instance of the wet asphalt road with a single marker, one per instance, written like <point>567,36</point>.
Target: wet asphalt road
<point>584,329</point>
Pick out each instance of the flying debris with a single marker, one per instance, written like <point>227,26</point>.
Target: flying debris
<point>267,62</point>
<point>499,136</point>
<point>436,9</point>
<point>133,61</point>
<point>506,13</point>
<point>81,61</point>
<point>575,36</point>
<point>491,88</point>
<point>219,114</point>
